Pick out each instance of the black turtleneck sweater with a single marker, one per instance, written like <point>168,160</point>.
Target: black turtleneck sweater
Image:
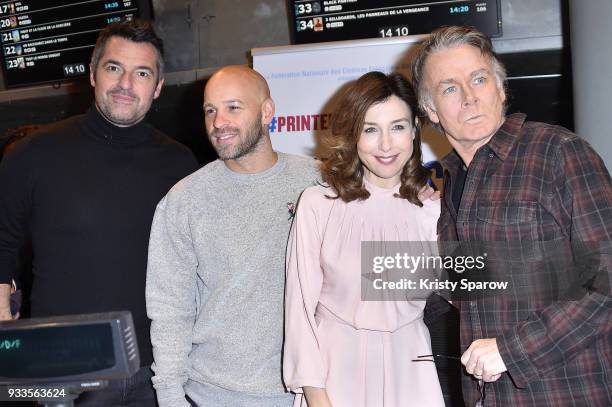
<point>86,191</point>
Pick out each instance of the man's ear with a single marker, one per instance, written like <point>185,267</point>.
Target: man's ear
<point>158,88</point>
<point>267,111</point>
<point>502,94</point>
<point>92,76</point>
<point>432,114</point>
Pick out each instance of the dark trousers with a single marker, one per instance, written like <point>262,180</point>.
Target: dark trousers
<point>444,332</point>
<point>136,391</point>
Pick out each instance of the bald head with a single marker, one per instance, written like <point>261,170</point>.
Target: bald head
<point>237,112</point>
<point>252,80</point>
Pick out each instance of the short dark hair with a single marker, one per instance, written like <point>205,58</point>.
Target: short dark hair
<point>135,30</point>
<point>449,37</point>
<point>342,168</point>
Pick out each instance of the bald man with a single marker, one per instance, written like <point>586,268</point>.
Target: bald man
<point>215,276</point>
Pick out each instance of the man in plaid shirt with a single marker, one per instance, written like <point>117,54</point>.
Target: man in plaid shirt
<point>511,180</point>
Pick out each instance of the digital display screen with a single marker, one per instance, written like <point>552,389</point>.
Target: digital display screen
<point>56,351</point>
<point>337,20</point>
<point>52,40</point>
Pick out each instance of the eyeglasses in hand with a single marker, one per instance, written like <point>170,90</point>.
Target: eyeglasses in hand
<point>438,357</point>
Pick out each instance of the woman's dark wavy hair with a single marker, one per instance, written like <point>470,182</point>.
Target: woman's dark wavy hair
<point>341,167</point>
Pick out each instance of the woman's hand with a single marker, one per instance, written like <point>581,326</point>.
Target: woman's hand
<point>316,397</point>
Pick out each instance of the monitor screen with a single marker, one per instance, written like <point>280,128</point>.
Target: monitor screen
<point>337,20</point>
<point>70,348</point>
<point>52,40</point>
<point>34,353</point>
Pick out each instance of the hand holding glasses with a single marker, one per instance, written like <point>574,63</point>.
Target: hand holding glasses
<point>438,357</point>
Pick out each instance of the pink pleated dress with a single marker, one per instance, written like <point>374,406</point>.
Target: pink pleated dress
<point>360,351</point>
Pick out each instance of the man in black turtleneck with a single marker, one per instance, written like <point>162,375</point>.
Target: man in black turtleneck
<point>85,189</point>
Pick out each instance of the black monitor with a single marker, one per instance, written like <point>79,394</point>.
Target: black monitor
<point>337,20</point>
<point>52,40</point>
<point>68,349</point>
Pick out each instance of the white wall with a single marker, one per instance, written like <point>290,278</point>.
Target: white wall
<point>591,36</point>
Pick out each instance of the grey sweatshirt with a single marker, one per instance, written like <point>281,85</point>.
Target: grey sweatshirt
<point>215,278</point>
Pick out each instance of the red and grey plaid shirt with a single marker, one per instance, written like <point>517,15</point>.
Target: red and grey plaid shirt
<point>536,182</point>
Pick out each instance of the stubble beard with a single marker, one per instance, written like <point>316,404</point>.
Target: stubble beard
<point>253,138</point>
<point>119,119</point>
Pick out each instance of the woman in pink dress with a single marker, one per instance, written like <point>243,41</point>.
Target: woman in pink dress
<point>340,350</point>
